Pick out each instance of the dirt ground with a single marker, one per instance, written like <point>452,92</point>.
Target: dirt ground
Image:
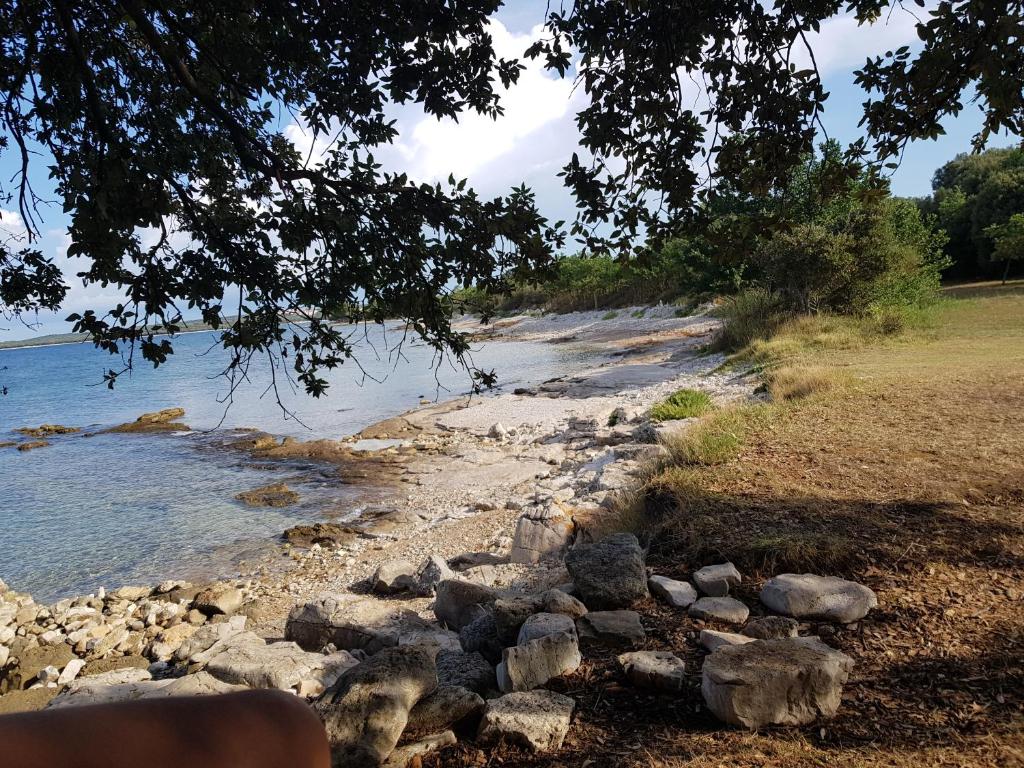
<point>911,480</point>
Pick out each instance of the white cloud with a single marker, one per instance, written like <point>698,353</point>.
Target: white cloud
<point>843,45</point>
<point>432,149</point>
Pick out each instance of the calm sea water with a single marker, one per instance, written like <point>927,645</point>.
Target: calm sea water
<point>117,509</point>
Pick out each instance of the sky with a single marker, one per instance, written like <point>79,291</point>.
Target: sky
<point>537,134</point>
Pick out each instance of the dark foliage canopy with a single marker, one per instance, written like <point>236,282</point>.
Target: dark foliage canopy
<point>167,115</point>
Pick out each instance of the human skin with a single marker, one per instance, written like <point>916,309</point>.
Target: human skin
<point>253,729</point>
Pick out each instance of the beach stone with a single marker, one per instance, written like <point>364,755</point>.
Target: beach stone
<point>609,574</point>
<point>48,675</point>
<point>445,708</point>
<point>654,670</point>
<point>273,495</point>
<point>219,599</point>
<point>771,627</point>
<point>131,594</point>
<point>367,709</point>
<point>725,609</point>
<point>531,665</point>
<point>511,612</point>
<point>794,681</point>
<point>459,603</point>
<point>393,577</point>
<point>404,755</point>
<point>497,431</point>
<point>535,720</point>
<point>466,670</point>
<point>349,622</point>
<point>71,671</point>
<point>678,594</point>
<point>711,640</point>
<point>610,629</point>
<point>541,533</point>
<point>481,636</point>
<point>716,580</point>
<point>206,637</point>
<point>248,660</point>
<point>543,624</point>
<point>170,640</point>
<point>823,598</point>
<point>432,572</point>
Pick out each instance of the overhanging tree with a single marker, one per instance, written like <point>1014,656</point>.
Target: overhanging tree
<point>166,115</point>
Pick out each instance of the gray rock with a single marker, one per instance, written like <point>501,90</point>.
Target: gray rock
<point>655,670</point>
<point>775,682</point>
<point>206,637</point>
<point>641,451</point>
<point>531,665</point>
<point>823,598</point>
<point>445,708</point>
<point>542,624</point>
<point>132,684</point>
<point>711,640</point>
<point>609,574</point>
<point>541,534</point>
<point>467,670</point>
<point>459,603</point>
<point>349,622</point>
<point>481,636</point>
<point>403,755</point>
<point>393,577</point>
<point>511,612</point>
<point>678,594</point>
<point>247,660</point>
<point>771,627</point>
<point>725,609</point>
<point>610,629</point>
<point>716,580</point>
<point>536,720</point>
<point>432,572</point>
<point>218,599</point>
<point>367,709</point>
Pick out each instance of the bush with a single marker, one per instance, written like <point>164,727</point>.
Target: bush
<point>750,315</point>
<point>684,404</point>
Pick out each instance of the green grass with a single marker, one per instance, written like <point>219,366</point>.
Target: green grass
<point>639,313</point>
<point>683,404</point>
<point>610,315</point>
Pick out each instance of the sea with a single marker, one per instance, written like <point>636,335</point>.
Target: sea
<point>106,510</point>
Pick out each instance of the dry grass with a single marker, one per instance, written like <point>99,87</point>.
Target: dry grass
<point>796,382</point>
<point>910,478</point>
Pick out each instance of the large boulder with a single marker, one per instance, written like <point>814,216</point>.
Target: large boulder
<point>218,599</point>
<point>465,670</point>
<point>393,577</point>
<point>367,709</point>
<point>793,681</point>
<point>459,603</point>
<point>541,533</point>
<point>481,636</point>
<point>511,612</point>
<point>610,629</point>
<point>610,573</point>
<point>531,665</point>
<point>432,571</point>
<point>716,580</point>
<point>824,598</point>
<point>350,622</point>
<point>248,660</point>
<point>206,638</point>
<point>131,684</point>
<point>535,720</point>
<point>654,670</point>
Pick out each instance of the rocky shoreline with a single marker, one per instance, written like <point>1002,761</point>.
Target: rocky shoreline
<point>440,613</point>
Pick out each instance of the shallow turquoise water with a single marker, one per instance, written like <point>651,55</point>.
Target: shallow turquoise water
<point>115,509</point>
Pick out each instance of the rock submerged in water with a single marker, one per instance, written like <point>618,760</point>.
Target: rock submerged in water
<point>273,495</point>
<point>824,598</point>
<point>609,574</point>
<point>775,682</point>
<point>158,421</point>
<point>45,430</point>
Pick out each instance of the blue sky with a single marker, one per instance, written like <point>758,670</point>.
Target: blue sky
<point>537,134</point>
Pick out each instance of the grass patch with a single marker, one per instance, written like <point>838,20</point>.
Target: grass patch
<point>798,382</point>
<point>639,313</point>
<point>610,315</point>
<point>683,404</point>
<point>718,438</point>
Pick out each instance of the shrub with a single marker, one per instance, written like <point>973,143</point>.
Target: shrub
<point>610,315</point>
<point>750,315</point>
<point>682,404</point>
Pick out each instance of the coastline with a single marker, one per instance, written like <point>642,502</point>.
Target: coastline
<point>461,474</point>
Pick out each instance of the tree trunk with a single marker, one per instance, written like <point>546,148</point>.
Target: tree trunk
<point>1006,271</point>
